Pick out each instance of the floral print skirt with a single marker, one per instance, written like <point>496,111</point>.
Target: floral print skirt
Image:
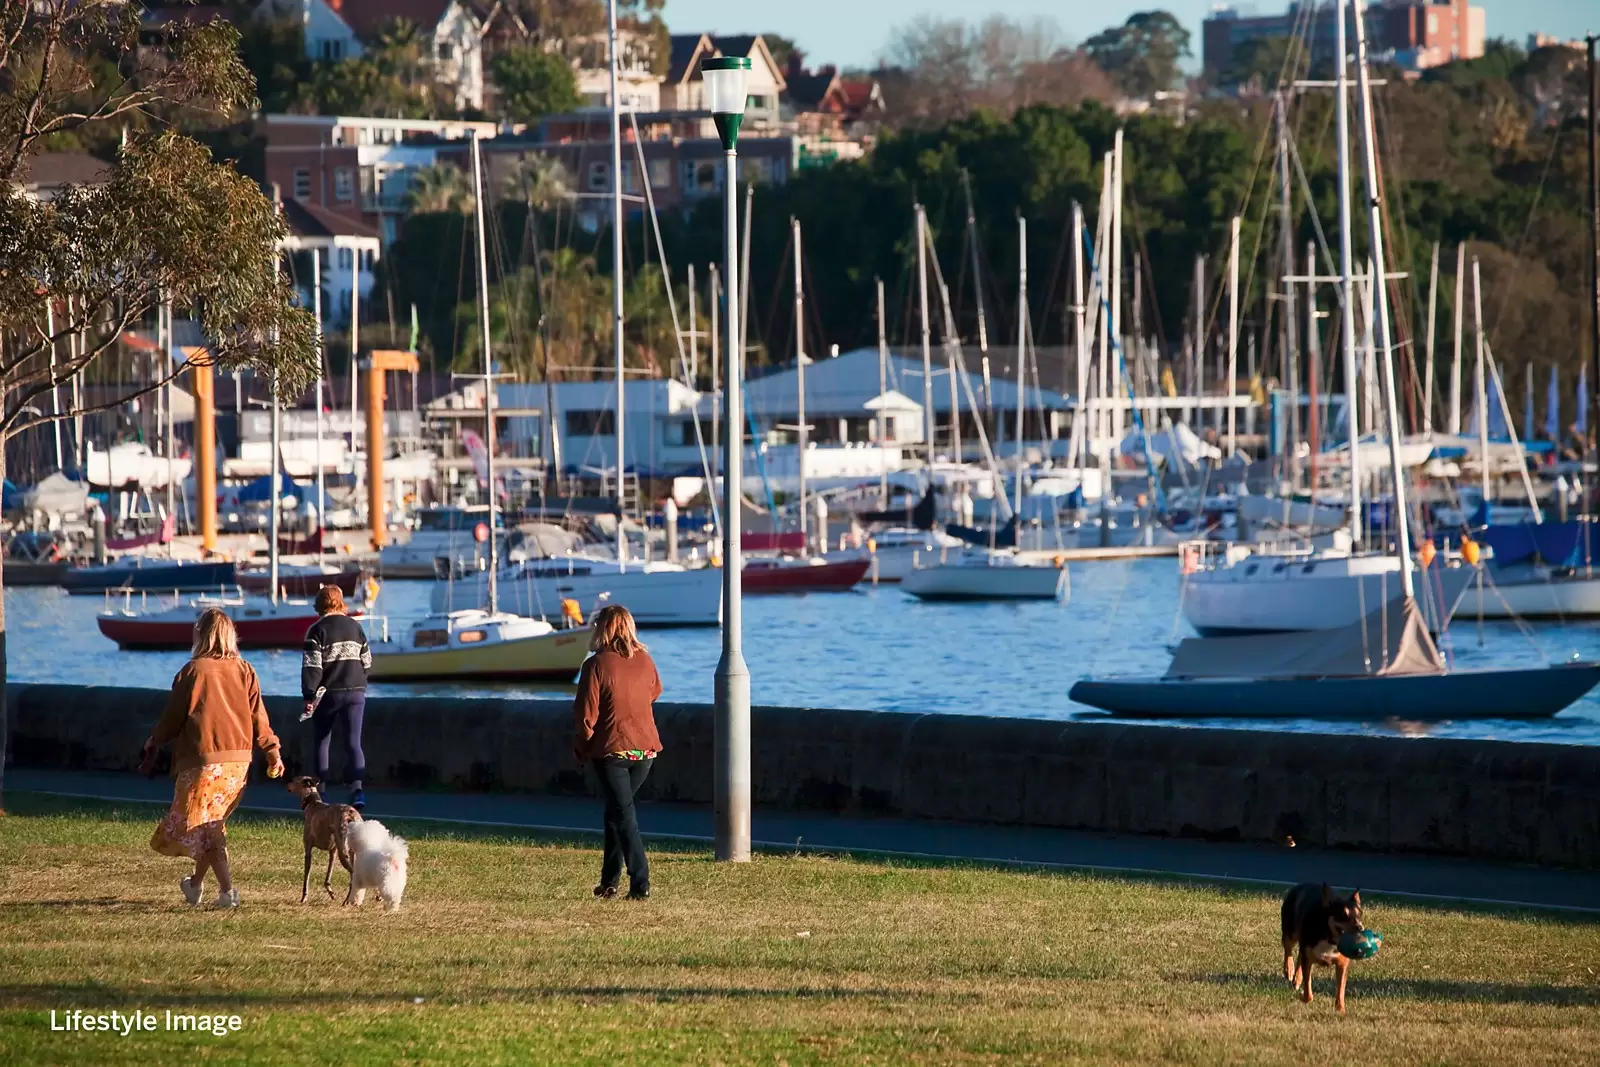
<point>202,800</point>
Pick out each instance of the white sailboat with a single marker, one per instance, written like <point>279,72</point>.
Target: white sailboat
<point>482,643</point>
<point>1268,590</point>
<point>1382,664</point>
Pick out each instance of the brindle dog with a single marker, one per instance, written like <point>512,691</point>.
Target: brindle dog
<point>327,828</point>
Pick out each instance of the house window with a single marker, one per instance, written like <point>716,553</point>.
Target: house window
<point>344,259</point>
<point>302,183</point>
<point>447,51</point>
<point>756,103</point>
<point>591,423</point>
<point>332,49</point>
<point>598,173</point>
<point>344,183</point>
<point>701,176</point>
<point>660,173</point>
<point>630,180</point>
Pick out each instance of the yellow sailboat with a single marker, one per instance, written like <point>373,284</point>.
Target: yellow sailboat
<point>483,646</point>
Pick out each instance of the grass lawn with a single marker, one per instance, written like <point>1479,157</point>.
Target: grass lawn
<point>501,954</point>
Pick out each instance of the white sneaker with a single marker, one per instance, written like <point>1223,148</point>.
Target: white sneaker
<point>191,892</point>
<point>229,899</point>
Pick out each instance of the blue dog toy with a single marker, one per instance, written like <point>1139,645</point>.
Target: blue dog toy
<point>1360,944</point>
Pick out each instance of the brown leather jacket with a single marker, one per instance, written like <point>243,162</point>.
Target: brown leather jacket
<point>215,715</point>
<point>612,711</point>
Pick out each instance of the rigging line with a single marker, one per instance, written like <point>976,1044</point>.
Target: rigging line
<point>672,305</point>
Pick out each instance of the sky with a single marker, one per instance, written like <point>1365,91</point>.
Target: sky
<point>852,33</point>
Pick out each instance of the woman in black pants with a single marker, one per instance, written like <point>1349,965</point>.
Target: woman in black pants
<point>616,731</point>
<point>333,680</point>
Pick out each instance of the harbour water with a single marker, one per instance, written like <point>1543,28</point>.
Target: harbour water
<point>875,649</point>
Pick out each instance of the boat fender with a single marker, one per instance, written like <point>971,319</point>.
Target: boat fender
<point>1469,551</point>
<point>1427,554</point>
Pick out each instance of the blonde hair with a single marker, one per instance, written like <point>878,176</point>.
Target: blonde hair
<point>330,600</point>
<point>215,636</point>
<point>614,631</point>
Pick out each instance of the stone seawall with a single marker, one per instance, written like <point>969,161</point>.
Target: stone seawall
<point>1530,803</point>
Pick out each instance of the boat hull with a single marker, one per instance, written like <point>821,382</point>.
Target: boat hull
<point>174,632</point>
<point>551,657</point>
<point>1289,594</point>
<point>1533,693</point>
<point>952,582</point>
<point>1556,598</point>
<point>835,577</point>
<point>657,599</point>
<point>166,576</point>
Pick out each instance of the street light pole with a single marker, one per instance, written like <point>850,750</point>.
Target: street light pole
<point>725,94</point>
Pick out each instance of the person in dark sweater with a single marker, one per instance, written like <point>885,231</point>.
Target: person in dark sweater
<point>333,681</point>
<point>615,729</point>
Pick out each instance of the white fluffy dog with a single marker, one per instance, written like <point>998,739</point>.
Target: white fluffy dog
<point>379,864</point>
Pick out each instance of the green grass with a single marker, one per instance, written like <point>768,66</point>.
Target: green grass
<point>502,955</point>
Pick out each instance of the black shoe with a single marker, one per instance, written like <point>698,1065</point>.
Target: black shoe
<point>642,893</point>
<point>605,892</point>
<point>358,800</point>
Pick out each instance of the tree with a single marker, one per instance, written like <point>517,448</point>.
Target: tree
<point>534,83</point>
<point>170,223</point>
<point>439,188</point>
<point>1142,55</point>
<point>1259,61</point>
<point>539,181</point>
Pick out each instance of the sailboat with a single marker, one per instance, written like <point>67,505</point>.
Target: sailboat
<point>656,593</point>
<point>980,573</point>
<point>1278,587</point>
<point>481,643</point>
<point>1382,664</point>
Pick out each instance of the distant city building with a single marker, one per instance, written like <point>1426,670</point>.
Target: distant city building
<point>1412,34</point>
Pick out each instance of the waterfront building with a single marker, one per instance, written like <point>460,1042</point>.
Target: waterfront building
<point>1411,34</point>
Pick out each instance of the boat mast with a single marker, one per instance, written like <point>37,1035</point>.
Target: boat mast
<point>1233,335</point>
<point>1347,308</point>
<point>883,420</point>
<point>316,314</point>
<point>1102,237</point>
<point>1381,297</point>
<point>1454,424</point>
<point>616,285</point>
<point>1313,373</point>
<point>1433,305</point>
<point>274,509</point>
<point>1199,354</point>
<point>1482,394</point>
<point>1080,342</point>
<point>800,374</point>
<point>1115,313</point>
<point>1022,345</point>
<point>1291,368</point>
<point>977,288</point>
<point>488,380</point>
<point>1594,211</point>
<point>927,337</point>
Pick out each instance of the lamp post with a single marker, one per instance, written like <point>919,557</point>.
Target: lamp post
<point>724,86</point>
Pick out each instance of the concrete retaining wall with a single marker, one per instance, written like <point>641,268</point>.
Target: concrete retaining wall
<point>1529,803</point>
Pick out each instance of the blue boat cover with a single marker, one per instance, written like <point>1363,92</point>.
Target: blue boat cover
<point>1559,544</point>
<point>1004,537</point>
<point>261,488</point>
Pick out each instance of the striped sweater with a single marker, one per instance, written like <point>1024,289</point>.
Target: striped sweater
<point>336,656</point>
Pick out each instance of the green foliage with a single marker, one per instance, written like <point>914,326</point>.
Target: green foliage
<point>274,51</point>
<point>534,83</point>
<point>439,188</point>
<point>1143,54</point>
<point>393,78</point>
<point>1261,61</point>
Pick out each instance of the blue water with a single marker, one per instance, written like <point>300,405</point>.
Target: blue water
<point>874,648</point>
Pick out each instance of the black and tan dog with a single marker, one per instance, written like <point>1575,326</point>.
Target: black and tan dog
<point>327,828</point>
<point>1313,919</point>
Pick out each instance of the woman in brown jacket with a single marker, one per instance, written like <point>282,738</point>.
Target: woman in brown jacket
<point>214,719</point>
<point>616,731</point>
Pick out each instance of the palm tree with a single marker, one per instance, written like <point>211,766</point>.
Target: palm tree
<point>539,181</point>
<point>439,188</point>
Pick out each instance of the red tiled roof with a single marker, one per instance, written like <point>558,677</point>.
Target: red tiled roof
<point>65,168</point>
<point>309,220</point>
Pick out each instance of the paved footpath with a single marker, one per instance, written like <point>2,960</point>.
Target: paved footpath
<point>1394,875</point>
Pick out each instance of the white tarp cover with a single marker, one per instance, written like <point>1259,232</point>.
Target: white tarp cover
<point>58,493</point>
<point>1394,639</point>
